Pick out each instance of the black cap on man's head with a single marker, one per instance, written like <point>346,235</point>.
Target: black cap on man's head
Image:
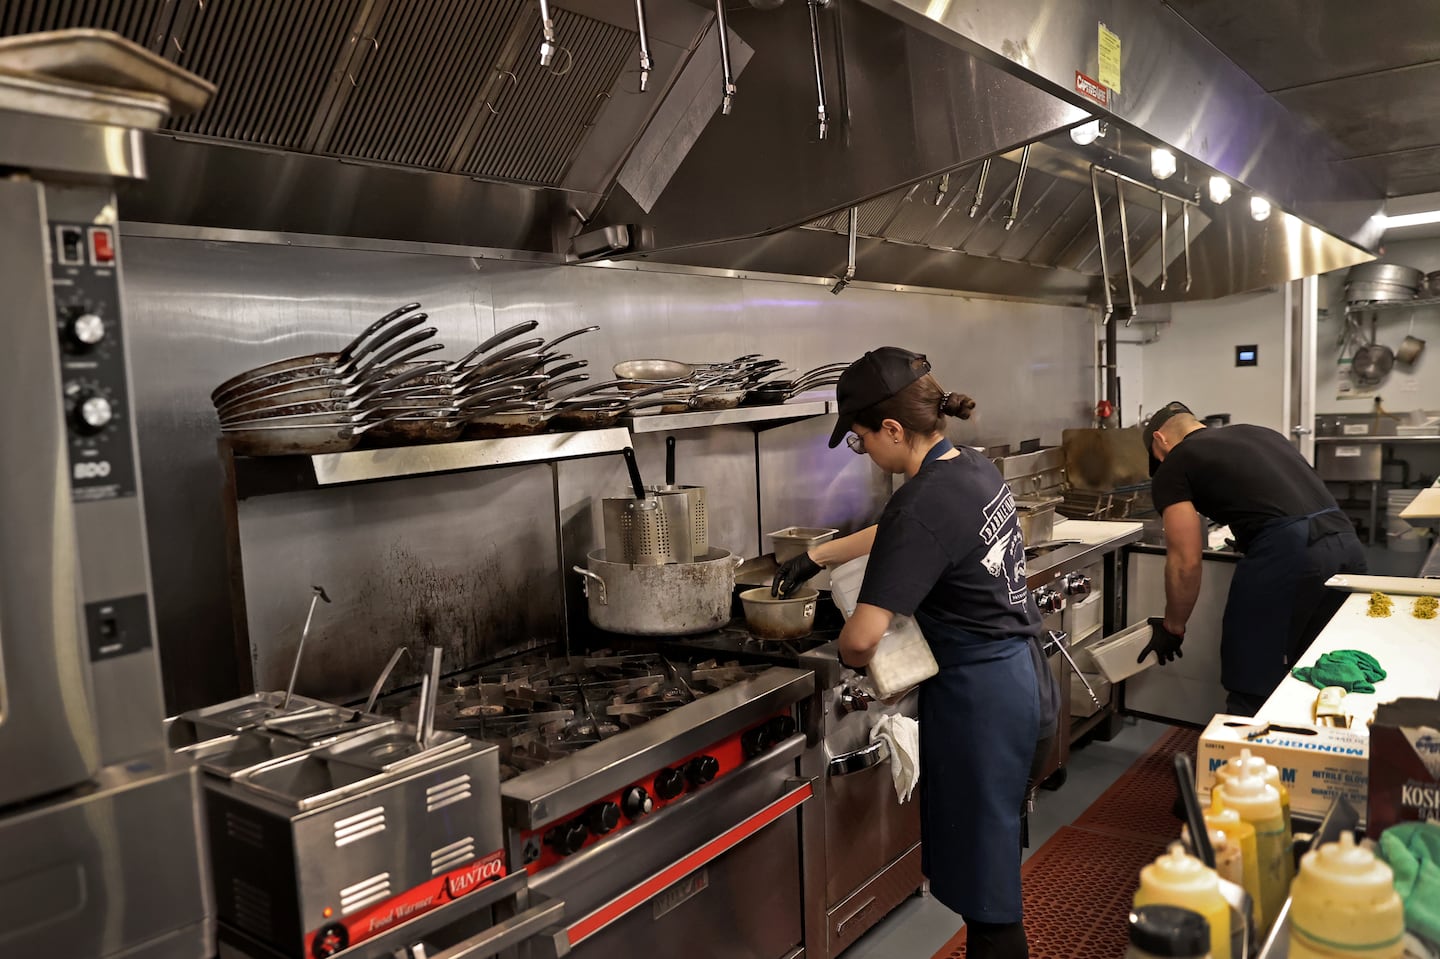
<point>876,376</point>
<point>1157,420</point>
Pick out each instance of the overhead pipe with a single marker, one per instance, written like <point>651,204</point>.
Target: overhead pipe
<point>849,273</point>
<point>1125,250</point>
<point>1100,235</point>
<point>728,77</point>
<point>821,111</point>
<point>548,45</point>
<point>980,188</point>
<point>646,63</point>
<point>1019,185</point>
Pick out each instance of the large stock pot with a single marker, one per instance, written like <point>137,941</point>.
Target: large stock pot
<point>675,599</point>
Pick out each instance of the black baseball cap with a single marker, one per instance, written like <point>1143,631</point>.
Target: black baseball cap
<point>876,376</point>
<point>1157,420</point>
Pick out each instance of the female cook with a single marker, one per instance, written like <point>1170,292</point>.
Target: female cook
<point>948,551</point>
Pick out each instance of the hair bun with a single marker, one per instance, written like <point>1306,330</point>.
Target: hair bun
<point>957,404</point>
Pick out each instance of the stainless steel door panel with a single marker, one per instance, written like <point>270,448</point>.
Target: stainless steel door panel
<point>1188,689</point>
<point>873,901</point>
<point>743,905</point>
<point>119,870</point>
<point>866,827</point>
<point>47,729</point>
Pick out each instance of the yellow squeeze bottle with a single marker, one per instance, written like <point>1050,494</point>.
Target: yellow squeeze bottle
<point>1258,803</point>
<point>1179,879</point>
<point>1241,834</point>
<point>1257,766</point>
<point>1344,904</point>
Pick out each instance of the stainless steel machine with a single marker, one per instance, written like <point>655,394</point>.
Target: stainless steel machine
<point>100,848</point>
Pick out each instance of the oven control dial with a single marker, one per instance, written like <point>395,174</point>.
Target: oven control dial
<point>756,741</point>
<point>636,802</point>
<point>1049,600</point>
<point>83,329</point>
<point>669,783</point>
<point>602,817</point>
<point>1076,584</point>
<point>781,728</point>
<point>91,409</point>
<point>701,770</point>
<point>567,837</point>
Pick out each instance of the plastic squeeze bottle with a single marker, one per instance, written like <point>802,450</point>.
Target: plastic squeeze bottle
<point>1242,835</point>
<point>1246,762</point>
<point>1258,803</point>
<point>1179,879</point>
<point>1344,904</point>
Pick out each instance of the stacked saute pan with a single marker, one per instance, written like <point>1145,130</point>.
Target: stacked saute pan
<point>750,380</point>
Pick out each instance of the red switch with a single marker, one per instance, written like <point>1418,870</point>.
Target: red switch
<point>102,244</point>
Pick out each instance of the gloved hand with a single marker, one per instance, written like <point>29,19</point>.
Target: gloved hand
<point>1163,643</point>
<point>792,573</point>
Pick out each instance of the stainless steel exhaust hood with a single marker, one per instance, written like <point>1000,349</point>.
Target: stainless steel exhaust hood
<point>436,121</point>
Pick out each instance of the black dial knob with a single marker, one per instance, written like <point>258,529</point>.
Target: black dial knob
<point>90,411</point>
<point>83,330</point>
<point>669,783</point>
<point>636,802</point>
<point>701,770</point>
<point>1076,584</point>
<point>602,817</point>
<point>567,837</point>
<point>755,741</point>
<point>781,728</point>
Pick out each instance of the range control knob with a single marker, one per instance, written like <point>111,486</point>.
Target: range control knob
<point>83,330</point>
<point>567,837</point>
<point>636,802</point>
<point>755,741</point>
<point>1049,600</point>
<point>90,410</point>
<point>1076,584</point>
<point>781,728</point>
<point>602,817</point>
<point>701,770</point>
<point>669,783</point>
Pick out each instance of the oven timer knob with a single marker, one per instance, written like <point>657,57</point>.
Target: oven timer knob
<point>636,802</point>
<point>83,330</point>
<point>90,409</point>
<point>701,770</point>
<point>669,783</point>
<point>567,837</point>
<point>602,817</point>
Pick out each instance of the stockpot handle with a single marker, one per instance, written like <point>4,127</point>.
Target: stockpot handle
<point>861,759</point>
<point>585,583</point>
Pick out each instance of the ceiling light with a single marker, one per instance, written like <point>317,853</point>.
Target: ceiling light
<point>1259,208</point>
<point>1087,133</point>
<point>1219,189</point>
<point>1409,219</point>
<point>1162,163</point>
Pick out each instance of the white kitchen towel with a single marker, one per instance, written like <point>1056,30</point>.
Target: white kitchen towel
<point>902,736</point>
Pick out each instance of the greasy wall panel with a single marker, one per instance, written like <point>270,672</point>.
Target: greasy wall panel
<point>458,562</point>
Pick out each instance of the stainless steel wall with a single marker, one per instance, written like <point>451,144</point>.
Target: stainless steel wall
<point>470,561</point>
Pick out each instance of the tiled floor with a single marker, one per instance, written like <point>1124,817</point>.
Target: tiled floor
<point>921,926</point>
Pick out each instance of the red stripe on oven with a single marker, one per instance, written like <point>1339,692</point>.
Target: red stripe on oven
<point>676,871</point>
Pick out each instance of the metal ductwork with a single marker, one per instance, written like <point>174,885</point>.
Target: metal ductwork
<point>437,121</point>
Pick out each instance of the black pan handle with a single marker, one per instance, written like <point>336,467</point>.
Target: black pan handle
<point>380,339</point>
<point>371,330</point>
<point>506,335</point>
<point>634,469</point>
<point>1199,833</point>
<point>669,461</point>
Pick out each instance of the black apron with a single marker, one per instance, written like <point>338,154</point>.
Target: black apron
<point>981,717</point>
<point>1278,601</point>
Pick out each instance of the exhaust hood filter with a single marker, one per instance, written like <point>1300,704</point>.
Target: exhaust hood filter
<point>141,21</point>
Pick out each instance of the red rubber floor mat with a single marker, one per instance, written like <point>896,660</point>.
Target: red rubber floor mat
<point>1079,885</point>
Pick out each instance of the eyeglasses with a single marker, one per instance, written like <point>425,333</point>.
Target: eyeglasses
<point>856,443</point>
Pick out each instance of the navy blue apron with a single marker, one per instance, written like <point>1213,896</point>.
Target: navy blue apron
<point>980,719</point>
<point>1278,602</point>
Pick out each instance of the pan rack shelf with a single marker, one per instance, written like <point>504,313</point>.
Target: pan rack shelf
<point>761,417</point>
<point>1389,306</point>
<point>266,475</point>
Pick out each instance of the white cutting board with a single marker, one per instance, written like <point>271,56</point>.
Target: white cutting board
<point>1424,509</point>
<point>1408,650</point>
<point>1093,532</point>
<point>1395,585</point>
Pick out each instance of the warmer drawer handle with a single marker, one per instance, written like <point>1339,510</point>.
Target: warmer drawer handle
<point>861,759</point>
<point>511,932</point>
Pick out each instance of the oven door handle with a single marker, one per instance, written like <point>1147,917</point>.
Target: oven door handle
<point>506,934</point>
<point>797,791</point>
<point>861,759</point>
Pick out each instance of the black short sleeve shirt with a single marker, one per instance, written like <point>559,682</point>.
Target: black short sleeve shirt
<point>949,545</point>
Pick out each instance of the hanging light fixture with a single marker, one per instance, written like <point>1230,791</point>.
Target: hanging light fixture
<point>1219,189</point>
<point>1162,163</point>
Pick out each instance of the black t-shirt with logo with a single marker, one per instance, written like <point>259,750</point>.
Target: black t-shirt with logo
<point>1241,476</point>
<point>949,544</point>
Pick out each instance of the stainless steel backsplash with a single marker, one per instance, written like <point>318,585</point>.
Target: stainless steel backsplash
<point>471,561</point>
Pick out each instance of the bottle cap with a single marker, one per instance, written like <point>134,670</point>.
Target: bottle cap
<point>1249,788</point>
<point>1169,931</point>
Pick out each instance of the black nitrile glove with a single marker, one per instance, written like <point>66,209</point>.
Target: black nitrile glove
<point>792,573</point>
<point>1163,643</point>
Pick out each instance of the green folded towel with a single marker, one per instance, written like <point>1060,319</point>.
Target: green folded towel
<point>1351,669</point>
<point>1413,851</point>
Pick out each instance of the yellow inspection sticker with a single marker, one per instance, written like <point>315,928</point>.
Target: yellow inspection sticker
<point>1109,58</point>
